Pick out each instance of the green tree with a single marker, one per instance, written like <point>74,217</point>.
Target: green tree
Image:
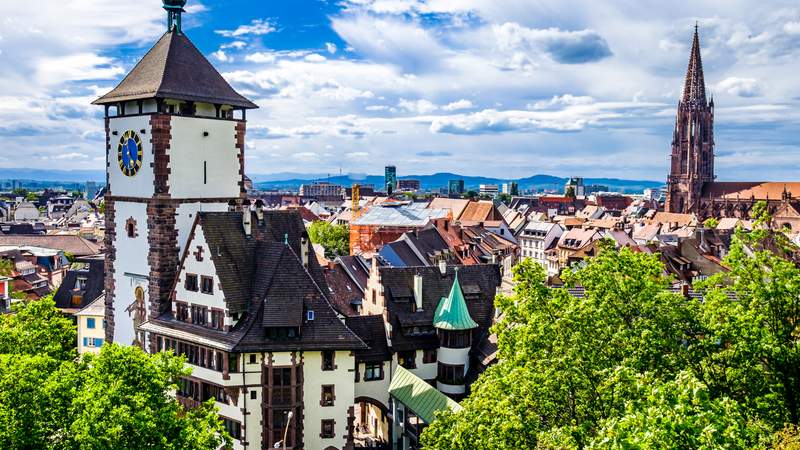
<point>334,238</point>
<point>471,195</point>
<point>31,197</point>
<point>629,364</point>
<point>567,362</point>
<point>121,398</point>
<point>711,222</point>
<point>122,403</point>
<point>37,327</point>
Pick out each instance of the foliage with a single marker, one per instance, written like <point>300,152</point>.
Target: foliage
<point>505,198</point>
<point>630,364</point>
<point>711,222</point>
<point>334,238</point>
<point>6,267</point>
<point>31,197</point>
<point>570,192</point>
<point>471,195</point>
<point>37,328</point>
<point>101,208</point>
<point>117,399</point>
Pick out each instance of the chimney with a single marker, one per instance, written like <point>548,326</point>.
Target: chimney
<point>443,267</point>
<point>685,290</point>
<point>304,251</point>
<point>418,291</point>
<point>260,210</point>
<point>246,222</point>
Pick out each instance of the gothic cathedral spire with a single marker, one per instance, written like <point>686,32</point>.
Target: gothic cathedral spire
<point>692,158</point>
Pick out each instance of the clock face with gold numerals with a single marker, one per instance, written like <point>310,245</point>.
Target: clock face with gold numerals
<point>129,153</point>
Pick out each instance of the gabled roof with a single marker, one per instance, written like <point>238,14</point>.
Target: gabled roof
<point>371,330</point>
<point>70,243</point>
<point>452,312</point>
<point>419,396</point>
<point>174,68</point>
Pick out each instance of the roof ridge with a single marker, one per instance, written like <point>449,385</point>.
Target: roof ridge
<point>164,69</point>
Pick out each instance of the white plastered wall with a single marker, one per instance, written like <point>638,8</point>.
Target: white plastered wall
<point>130,267</point>
<point>188,151</point>
<point>141,184</point>
<point>314,378</point>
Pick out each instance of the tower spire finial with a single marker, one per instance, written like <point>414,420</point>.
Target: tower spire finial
<point>174,9</point>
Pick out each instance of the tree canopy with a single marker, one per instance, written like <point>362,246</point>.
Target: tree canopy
<point>625,362</point>
<point>120,398</point>
<point>334,238</point>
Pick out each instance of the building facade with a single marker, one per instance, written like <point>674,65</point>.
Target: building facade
<point>390,179</point>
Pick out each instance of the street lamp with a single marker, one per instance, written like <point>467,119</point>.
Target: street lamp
<point>285,432</point>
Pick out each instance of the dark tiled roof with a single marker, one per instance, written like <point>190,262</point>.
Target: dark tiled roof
<point>174,68</point>
<point>271,285</point>
<point>357,269</point>
<point>399,281</point>
<point>400,254</point>
<point>430,244</point>
<point>372,331</point>
<point>342,291</point>
<point>93,270</point>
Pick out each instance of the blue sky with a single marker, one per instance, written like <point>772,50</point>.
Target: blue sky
<point>504,88</point>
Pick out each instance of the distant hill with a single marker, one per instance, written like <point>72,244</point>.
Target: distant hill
<point>64,176</point>
<point>439,180</point>
<point>290,180</point>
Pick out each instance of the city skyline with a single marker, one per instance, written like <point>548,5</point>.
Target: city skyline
<point>551,88</point>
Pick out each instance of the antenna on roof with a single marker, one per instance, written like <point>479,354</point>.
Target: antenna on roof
<point>174,9</point>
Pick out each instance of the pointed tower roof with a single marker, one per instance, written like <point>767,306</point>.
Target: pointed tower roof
<point>694,89</point>
<point>452,312</point>
<point>174,68</point>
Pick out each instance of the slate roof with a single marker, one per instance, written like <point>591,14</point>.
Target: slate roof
<point>264,277</point>
<point>372,331</point>
<point>93,270</point>
<point>419,396</point>
<point>174,68</point>
<point>357,269</point>
<point>482,279</point>
<point>344,293</point>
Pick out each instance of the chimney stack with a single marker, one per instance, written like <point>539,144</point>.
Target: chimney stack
<point>418,291</point>
<point>443,267</point>
<point>246,221</point>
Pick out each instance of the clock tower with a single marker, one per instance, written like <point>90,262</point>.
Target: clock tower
<point>175,134</point>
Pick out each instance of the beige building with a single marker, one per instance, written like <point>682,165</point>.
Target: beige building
<point>92,326</point>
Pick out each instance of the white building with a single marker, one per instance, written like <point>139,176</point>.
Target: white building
<point>536,239</point>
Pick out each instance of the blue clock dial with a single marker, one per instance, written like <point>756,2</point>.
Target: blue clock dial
<point>129,153</point>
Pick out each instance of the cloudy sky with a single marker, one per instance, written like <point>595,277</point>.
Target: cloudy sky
<point>506,88</point>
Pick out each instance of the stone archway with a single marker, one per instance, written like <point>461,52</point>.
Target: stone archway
<point>371,426</point>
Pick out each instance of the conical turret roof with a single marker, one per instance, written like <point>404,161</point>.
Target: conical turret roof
<point>452,312</point>
<point>174,68</point>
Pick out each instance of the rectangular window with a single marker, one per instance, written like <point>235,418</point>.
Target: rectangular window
<point>182,311</point>
<point>98,342</point>
<point>327,360</point>
<point>90,323</point>
<point>280,426</point>
<point>191,282</point>
<point>207,285</point>
<point>217,319</point>
<point>253,394</point>
<point>429,356</point>
<point>373,372</point>
<point>233,427</point>
<point>451,374</point>
<point>282,386</point>
<point>327,395</point>
<point>199,315</point>
<point>407,359</point>
<point>252,358</point>
<point>327,430</point>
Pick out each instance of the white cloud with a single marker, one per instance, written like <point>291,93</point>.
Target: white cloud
<point>741,87</point>
<point>357,155</point>
<point>420,106</point>
<point>458,105</point>
<point>260,57</point>
<point>257,27</point>
<point>330,47</point>
<point>221,56</point>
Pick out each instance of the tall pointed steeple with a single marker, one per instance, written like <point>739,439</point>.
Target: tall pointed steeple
<point>692,164</point>
<point>694,90</point>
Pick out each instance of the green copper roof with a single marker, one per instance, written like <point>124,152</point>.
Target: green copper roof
<point>419,396</point>
<point>452,312</point>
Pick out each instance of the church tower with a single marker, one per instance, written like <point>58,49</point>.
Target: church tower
<point>174,146</point>
<point>692,141</point>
